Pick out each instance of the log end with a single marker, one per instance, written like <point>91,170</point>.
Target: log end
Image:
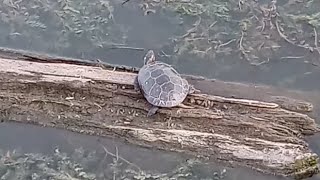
<point>306,166</point>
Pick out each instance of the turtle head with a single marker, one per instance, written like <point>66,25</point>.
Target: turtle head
<point>149,57</point>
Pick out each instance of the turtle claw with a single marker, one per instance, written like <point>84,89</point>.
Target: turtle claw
<point>152,111</point>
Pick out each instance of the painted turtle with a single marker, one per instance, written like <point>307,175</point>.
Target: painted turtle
<point>161,84</point>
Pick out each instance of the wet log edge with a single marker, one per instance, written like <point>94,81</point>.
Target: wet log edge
<point>305,164</point>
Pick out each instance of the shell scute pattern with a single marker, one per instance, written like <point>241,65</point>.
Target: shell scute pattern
<point>162,79</point>
<point>155,91</point>
<point>156,73</point>
<point>164,96</point>
<point>162,85</point>
<point>148,85</point>
<point>168,87</point>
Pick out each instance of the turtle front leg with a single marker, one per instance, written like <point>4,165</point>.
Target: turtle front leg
<point>152,111</point>
<point>136,84</point>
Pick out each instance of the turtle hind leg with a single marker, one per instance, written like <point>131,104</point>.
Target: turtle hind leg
<point>152,111</point>
<point>193,90</point>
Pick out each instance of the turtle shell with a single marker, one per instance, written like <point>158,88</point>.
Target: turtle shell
<point>162,85</point>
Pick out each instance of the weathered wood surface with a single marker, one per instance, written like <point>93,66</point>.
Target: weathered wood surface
<point>265,133</point>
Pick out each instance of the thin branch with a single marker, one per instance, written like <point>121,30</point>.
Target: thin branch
<point>285,37</point>
<point>316,40</point>
<point>119,157</point>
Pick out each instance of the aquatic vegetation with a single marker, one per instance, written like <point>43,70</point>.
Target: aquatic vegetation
<point>63,23</point>
<point>256,30</point>
<point>14,165</point>
<point>84,164</point>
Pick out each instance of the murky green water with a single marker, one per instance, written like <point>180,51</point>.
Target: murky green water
<point>215,39</point>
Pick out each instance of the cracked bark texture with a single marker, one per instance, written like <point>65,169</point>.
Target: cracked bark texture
<point>264,132</point>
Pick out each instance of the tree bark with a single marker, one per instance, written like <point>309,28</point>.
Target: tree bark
<point>264,133</point>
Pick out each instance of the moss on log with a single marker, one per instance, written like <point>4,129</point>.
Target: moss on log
<point>265,134</point>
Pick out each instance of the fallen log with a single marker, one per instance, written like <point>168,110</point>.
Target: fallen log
<point>266,135</point>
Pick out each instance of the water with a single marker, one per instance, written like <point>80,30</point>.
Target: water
<point>33,139</point>
<point>131,33</point>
